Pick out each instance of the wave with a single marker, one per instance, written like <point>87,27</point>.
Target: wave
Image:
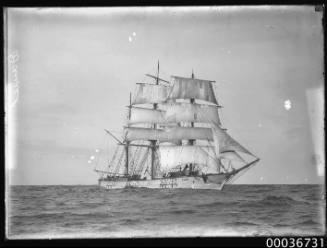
<point>306,215</point>
<point>314,197</point>
<point>64,215</point>
<point>270,200</point>
<point>308,223</point>
<point>74,224</point>
<point>217,204</point>
<point>254,210</point>
<point>278,200</point>
<point>172,203</point>
<point>275,201</point>
<point>40,216</point>
<point>242,223</point>
<point>129,222</point>
<point>181,211</point>
<point>281,225</point>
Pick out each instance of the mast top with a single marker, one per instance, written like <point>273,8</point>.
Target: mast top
<point>157,79</point>
<point>192,74</point>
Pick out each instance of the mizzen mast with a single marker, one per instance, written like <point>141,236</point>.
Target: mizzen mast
<point>192,101</point>
<point>128,142</point>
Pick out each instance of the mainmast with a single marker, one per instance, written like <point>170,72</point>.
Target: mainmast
<point>153,142</point>
<point>192,101</point>
<point>192,141</point>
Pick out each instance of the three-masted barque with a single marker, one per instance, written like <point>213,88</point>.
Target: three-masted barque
<point>174,138</point>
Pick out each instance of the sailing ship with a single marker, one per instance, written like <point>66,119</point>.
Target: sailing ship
<point>174,138</point>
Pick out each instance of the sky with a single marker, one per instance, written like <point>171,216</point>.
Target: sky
<point>70,72</point>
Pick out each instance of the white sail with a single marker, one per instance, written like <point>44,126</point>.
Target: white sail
<point>173,107</point>
<point>173,156</point>
<point>187,88</point>
<point>233,156</point>
<point>145,115</point>
<point>183,133</point>
<point>216,142</point>
<point>185,112</point>
<point>151,93</point>
<point>171,134</point>
<point>226,142</point>
<point>140,133</point>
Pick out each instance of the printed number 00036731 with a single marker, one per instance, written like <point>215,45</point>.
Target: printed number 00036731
<point>295,242</point>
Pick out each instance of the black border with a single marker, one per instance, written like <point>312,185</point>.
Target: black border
<point>140,3</point>
<point>137,242</point>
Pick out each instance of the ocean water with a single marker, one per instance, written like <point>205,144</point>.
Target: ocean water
<point>92,212</point>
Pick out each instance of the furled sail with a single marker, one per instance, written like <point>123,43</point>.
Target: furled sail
<point>185,112</point>
<point>225,141</point>
<point>151,93</point>
<point>187,88</point>
<point>145,115</point>
<point>171,134</point>
<point>172,156</point>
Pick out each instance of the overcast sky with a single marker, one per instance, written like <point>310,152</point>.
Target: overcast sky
<point>76,68</point>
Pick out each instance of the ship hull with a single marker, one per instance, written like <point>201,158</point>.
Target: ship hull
<point>211,181</point>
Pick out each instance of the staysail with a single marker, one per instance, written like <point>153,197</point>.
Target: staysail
<point>225,142</point>
<point>233,156</point>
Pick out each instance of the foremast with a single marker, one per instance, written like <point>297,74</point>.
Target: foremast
<point>134,111</point>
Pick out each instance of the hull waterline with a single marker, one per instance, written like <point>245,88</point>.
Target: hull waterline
<point>209,181</point>
<point>215,181</point>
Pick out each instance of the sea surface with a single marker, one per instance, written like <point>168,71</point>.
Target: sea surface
<point>43,212</point>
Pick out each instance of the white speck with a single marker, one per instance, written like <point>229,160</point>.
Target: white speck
<point>287,104</point>
<point>134,34</point>
<point>92,157</point>
<point>89,161</point>
<point>96,150</point>
<point>130,39</point>
<point>261,178</point>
